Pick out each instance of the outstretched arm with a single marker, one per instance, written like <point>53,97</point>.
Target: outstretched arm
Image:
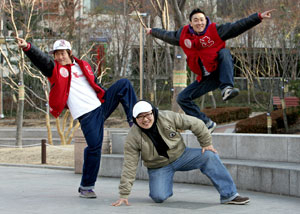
<point>171,37</point>
<point>231,30</point>
<point>40,59</point>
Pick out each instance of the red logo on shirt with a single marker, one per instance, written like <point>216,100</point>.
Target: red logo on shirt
<point>76,75</point>
<point>64,72</point>
<point>89,70</point>
<point>188,43</point>
<point>206,42</point>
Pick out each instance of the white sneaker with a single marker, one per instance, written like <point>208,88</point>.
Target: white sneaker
<point>211,126</point>
<point>229,93</point>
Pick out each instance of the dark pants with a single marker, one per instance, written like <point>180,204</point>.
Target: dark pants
<point>92,125</point>
<point>220,78</point>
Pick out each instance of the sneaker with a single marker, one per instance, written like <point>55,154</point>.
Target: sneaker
<point>229,93</point>
<point>239,200</point>
<point>211,126</point>
<point>86,193</point>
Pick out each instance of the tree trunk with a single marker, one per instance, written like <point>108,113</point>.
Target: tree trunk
<point>60,132</point>
<point>213,100</point>
<point>179,76</point>
<point>49,131</point>
<point>179,70</point>
<point>20,114</point>
<point>285,122</point>
<point>20,111</point>
<point>150,75</point>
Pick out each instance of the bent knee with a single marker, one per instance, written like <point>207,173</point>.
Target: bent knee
<point>223,53</point>
<point>159,198</point>
<point>181,98</point>
<point>209,155</point>
<point>123,81</point>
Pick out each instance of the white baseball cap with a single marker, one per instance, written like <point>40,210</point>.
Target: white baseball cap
<point>141,107</point>
<point>60,45</point>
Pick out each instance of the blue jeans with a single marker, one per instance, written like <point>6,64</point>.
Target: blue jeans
<point>220,78</point>
<point>92,124</point>
<point>161,179</point>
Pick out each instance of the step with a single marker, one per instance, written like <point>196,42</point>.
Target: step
<point>262,176</point>
<point>261,147</point>
<point>9,132</point>
<point>11,142</point>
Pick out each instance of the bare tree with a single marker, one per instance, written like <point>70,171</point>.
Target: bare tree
<point>271,54</point>
<point>24,17</point>
<point>26,9</point>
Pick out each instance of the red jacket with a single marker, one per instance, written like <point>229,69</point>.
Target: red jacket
<point>204,48</point>
<point>60,81</point>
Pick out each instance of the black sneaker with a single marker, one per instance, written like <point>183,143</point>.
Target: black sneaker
<point>239,200</point>
<point>229,93</point>
<point>87,193</point>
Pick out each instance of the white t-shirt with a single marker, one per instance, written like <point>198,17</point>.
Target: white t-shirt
<point>82,97</point>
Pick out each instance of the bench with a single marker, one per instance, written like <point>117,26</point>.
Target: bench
<point>289,102</point>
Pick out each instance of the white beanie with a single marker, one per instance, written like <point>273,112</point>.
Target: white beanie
<point>141,107</point>
<point>60,45</point>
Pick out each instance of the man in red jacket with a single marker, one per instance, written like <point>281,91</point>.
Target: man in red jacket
<point>203,43</point>
<point>73,86</point>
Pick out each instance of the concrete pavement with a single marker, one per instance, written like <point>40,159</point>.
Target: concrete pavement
<point>48,191</point>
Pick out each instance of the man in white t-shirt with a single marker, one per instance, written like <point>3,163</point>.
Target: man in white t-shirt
<point>73,86</point>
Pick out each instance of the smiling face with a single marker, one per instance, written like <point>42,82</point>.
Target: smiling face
<point>198,22</point>
<point>145,120</point>
<point>63,57</point>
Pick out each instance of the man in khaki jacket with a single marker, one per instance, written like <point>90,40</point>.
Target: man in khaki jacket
<point>156,138</point>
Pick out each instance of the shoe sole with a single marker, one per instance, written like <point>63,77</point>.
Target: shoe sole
<point>232,95</point>
<point>91,197</point>
<point>238,203</point>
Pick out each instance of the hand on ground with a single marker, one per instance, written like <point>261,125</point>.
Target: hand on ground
<point>120,202</point>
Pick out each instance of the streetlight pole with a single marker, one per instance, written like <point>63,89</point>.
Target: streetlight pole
<point>2,41</point>
<point>141,61</point>
<point>1,90</point>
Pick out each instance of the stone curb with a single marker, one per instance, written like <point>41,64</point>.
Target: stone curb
<point>39,166</point>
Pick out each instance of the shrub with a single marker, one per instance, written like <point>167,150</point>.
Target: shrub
<point>227,114</point>
<point>258,124</point>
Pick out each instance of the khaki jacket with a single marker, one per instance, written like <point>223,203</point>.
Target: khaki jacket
<point>138,143</point>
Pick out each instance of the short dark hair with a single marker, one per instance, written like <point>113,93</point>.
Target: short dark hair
<point>196,10</point>
<point>68,51</point>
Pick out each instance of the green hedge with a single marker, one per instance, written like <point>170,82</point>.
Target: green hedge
<point>258,124</point>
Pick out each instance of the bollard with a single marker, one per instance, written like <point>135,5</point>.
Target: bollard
<point>43,151</point>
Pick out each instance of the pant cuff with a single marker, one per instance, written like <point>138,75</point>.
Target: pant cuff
<point>229,199</point>
<point>87,187</point>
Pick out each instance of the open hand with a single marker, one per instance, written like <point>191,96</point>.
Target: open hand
<point>120,202</point>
